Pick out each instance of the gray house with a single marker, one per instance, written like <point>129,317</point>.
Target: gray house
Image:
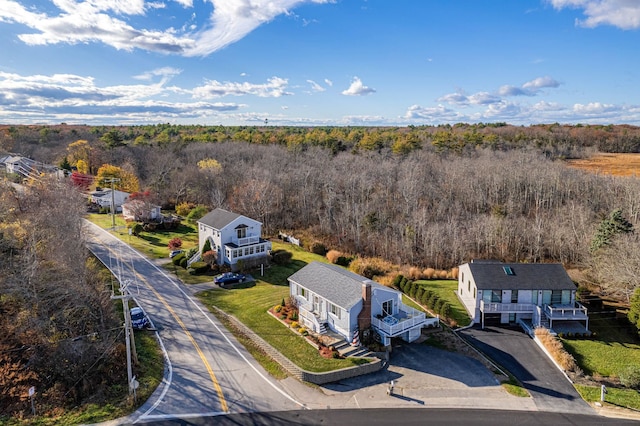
<point>331,297</point>
<point>533,294</point>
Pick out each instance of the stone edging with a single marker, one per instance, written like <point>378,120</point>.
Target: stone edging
<point>294,370</point>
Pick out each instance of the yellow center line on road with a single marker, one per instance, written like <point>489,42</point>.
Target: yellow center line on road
<point>216,385</point>
<point>223,401</point>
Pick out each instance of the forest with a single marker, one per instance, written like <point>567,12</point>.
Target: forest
<point>423,197</point>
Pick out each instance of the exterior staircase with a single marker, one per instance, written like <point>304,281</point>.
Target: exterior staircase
<point>322,328</point>
<point>347,350</point>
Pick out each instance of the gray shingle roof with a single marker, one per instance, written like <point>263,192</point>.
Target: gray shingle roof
<point>339,286</point>
<point>219,218</point>
<point>526,276</point>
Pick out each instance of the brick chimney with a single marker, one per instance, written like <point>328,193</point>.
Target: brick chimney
<point>364,317</point>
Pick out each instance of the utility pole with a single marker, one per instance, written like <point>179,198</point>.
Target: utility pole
<point>113,201</point>
<point>129,339</point>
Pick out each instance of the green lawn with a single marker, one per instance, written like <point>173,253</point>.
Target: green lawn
<point>250,305</point>
<point>152,244</point>
<point>612,349</point>
<point>619,397</point>
<point>446,289</point>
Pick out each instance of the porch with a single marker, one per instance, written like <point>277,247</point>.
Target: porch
<point>405,319</point>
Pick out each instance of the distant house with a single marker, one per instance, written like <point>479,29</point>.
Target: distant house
<point>18,164</point>
<point>142,211</point>
<point>330,297</point>
<point>533,294</point>
<point>103,198</point>
<point>233,237</point>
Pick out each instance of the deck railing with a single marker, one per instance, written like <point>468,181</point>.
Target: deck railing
<point>404,320</point>
<point>506,307</point>
<point>575,311</point>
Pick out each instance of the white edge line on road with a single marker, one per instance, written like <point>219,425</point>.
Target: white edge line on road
<point>184,416</point>
<point>283,393</point>
<point>166,381</point>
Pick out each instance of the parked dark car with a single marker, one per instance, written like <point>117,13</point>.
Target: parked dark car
<point>229,278</point>
<point>138,318</point>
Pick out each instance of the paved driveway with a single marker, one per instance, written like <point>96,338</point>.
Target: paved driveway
<point>520,355</point>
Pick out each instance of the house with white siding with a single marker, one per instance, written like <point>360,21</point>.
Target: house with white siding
<point>233,237</point>
<point>331,297</point>
<point>533,294</point>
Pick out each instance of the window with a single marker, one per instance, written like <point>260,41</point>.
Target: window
<point>508,270</point>
<point>335,310</point>
<point>556,297</point>
<point>496,296</point>
<point>242,232</point>
<point>469,286</point>
<point>387,308</point>
<point>462,277</point>
<point>302,292</point>
<point>474,292</point>
<point>514,296</point>
<point>251,250</point>
<point>246,251</point>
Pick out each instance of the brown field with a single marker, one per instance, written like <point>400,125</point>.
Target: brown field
<point>610,164</point>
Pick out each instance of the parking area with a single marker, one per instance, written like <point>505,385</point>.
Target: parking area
<point>514,350</point>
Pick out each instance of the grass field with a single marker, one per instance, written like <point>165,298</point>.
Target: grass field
<point>152,244</point>
<point>446,289</point>
<point>609,163</point>
<point>607,354</point>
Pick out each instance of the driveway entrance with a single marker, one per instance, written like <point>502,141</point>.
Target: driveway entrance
<point>514,350</point>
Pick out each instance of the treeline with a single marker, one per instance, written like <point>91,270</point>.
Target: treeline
<point>554,140</point>
<point>59,332</point>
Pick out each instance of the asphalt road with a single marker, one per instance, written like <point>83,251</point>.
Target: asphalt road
<point>521,356</point>
<point>209,372</point>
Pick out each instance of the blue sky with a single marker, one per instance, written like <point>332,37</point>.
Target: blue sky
<point>319,62</point>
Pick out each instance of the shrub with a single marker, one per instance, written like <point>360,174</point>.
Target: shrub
<point>294,324</point>
<point>396,280</point>
<point>206,246</point>
<point>425,296</point>
<point>294,316</point>
<point>210,256</point>
<point>178,258</point>
<point>370,266</point>
<point>555,348</point>
<point>344,261</point>
<point>419,293</point>
<point>281,257</point>
<point>183,209</point>
<point>183,262</point>
<point>413,288</point>
<point>136,229</point>
<point>303,331</point>
<point>403,284</point>
<point>454,273</point>
<point>283,316</point>
<point>192,251</point>
<point>442,274</point>
<point>200,267</point>
<point>429,273</point>
<point>175,243</point>
<point>277,308</point>
<point>445,310</point>
<point>630,376</point>
<point>197,212</point>
<point>438,305</point>
<point>415,273</point>
<point>333,255</point>
<point>318,248</point>
<point>431,303</point>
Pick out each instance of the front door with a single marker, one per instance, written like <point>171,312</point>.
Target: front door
<point>316,304</point>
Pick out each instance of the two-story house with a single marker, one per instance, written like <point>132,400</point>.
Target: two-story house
<point>233,237</point>
<point>533,294</point>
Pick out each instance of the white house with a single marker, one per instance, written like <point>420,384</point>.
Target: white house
<point>141,210</point>
<point>233,237</point>
<point>533,294</point>
<point>105,197</point>
<point>329,296</point>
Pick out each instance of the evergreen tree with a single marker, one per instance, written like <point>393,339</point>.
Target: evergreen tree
<point>610,227</point>
<point>634,309</point>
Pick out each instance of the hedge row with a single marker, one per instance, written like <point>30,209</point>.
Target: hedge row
<point>423,295</point>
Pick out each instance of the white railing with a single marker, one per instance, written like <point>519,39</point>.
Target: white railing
<point>406,318</point>
<point>248,241</point>
<point>506,307</point>
<point>569,312</point>
<point>306,313</point>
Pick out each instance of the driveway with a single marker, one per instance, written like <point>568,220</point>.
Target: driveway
<point>515,351</point>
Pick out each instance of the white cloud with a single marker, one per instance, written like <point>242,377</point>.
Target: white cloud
<point>540,83</point>
<point>315,86</point>
<point>65,97</point>
<point>357,88</point>
<point>624,14</point>
<point>106,21</point>
<point>165,72</point>
<point>273,88</point>
<point>457,98</point>
<point>328,82</point>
